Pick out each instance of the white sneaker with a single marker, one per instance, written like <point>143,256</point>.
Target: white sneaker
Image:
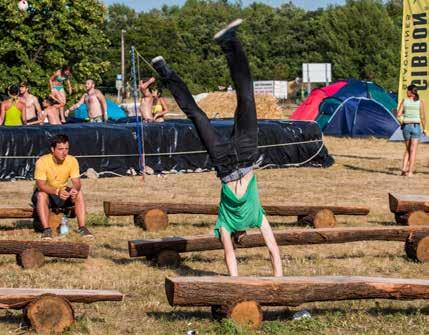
<point>230,28</point>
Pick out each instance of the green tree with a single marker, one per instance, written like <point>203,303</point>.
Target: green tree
<point>361,41</point>
<point>51,33</point>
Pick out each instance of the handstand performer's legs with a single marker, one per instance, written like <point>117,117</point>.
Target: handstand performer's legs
<point>245,114</point>
<point>272,246</point>
<point>187,104</point>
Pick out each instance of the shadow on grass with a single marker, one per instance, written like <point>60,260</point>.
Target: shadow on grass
<point>19,224</point>
<point>185,270</point>
<point>14,319</point>
<point>358,157</point>
<point>384,223</point>
<point>285,314</point>
<point>110,247</point>
<point>357,168</point>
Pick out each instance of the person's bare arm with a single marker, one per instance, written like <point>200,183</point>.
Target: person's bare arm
<point>23,113</point>
<point>423,117</point>
<point>144,85</point>
<point>400,109</point>
<point>164,108</point>
<point>43,186</point>
<point>76,187</point>
<point>52,79</point>
<point>69,86</point>
<point>2,113</point>
<point>75,106</point>
<point>103,104</point>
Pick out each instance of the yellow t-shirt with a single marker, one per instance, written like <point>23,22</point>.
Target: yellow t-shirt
<point>56,175</point>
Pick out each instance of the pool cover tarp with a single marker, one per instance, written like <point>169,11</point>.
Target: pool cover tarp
<point>168,146</point>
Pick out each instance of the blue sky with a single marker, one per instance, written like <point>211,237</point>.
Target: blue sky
<point>145,5</point>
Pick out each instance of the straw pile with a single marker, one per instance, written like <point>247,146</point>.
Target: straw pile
<point>223,105</point>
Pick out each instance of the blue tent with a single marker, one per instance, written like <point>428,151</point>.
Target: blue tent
<point>114,112</point>
<point>360,116</point>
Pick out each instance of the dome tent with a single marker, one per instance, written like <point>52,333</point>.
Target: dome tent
<point>367,105</point>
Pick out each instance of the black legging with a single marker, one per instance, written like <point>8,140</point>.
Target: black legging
<point>239,151</point>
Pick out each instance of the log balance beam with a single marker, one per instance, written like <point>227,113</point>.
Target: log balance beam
<point>410,209</point>
<point>154,216</point>
<point>241,298</point>
<point>50,310</point>
<point>165,251</point>
<point>31,254</point>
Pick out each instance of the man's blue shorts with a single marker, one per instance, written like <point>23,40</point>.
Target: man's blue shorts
<point>411,131</point>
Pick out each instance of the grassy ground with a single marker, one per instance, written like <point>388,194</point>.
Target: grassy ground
<point>365,171</point>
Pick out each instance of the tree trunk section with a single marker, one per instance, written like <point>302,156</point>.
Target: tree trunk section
<point>401,203</point>
<point>323,218</point>
<point>417,218</point>
<point>14,296</point>
<point>285,291</point>
<point>54,222</point>
<point>49,314</point>
<point>16,213</point>
<point>135,208</point>
<point>30,259</point>
<point>417,247</point>
<point>152,220</point>
<point>47,248</point>
<point>246,314</point>
<point>168,258</point>
<point>153,247</point>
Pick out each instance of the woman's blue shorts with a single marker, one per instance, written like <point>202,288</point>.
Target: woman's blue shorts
<point>411,131</point>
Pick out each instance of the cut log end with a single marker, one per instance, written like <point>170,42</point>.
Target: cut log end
<point>49,314</point>
<point>245,313</point>
<point>418,218</point>
<point>417,247</point>
<point>152,220</point>
<point>30,259</point>
<point>168,258</point>
<point>324,218</point>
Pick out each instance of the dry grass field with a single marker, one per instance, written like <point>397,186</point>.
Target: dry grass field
<point>365,171</point>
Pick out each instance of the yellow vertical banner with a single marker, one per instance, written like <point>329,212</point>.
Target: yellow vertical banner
<point>415,51</point>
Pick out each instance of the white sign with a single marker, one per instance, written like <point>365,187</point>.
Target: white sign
<point>275,87</point>
<point>316,73</point>
<point>119,77</point>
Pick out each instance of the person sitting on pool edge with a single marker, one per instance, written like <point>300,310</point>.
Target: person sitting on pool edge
<point>233,158</point>
<point>52,174</point>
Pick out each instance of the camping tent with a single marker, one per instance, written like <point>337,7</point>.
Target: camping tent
<point>114,112</point>
<point>398,136</point>
<point>365,101</point>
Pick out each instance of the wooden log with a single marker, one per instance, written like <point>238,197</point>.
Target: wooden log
<point>54,221</point>
<point>138,248</point>
<point>246,314</point>
<point>48,248</point>
<point>49,314</point>
<point>412,218</point>
<point>19,297</point>
<point>135,208</point>
<point>323,218</point>
<point>401,203</point>
<point>30,259</point>
<point>167,258</point>
<point>16,213</point>
<point>284,291</point>
<point>152,220</point>
<point>417,246</point>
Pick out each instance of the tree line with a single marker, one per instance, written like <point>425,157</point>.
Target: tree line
<point>360,38</point>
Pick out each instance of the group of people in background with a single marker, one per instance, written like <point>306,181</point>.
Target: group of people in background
<point>23,108</point>
<point>153,106</point>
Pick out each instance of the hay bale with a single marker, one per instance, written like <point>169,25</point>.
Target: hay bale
<point>223,105</point>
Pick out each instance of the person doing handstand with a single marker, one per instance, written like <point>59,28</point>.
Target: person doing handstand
<point>233,158</point>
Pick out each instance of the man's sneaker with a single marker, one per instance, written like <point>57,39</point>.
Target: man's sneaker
<point>84,232</point>
<point>161,67</point>
<point>227,32</point>
<point>47,234</point>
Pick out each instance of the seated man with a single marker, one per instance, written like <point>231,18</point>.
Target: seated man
<point>52,174</point>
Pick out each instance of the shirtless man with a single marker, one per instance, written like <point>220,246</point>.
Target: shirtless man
<point>147,100</point>
<point>33,111</point>
<point>51,110</point>
<point>95,102</point>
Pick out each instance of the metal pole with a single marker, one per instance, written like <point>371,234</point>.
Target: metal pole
<point>123,62</point>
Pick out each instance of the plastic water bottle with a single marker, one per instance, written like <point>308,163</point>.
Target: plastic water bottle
<point>64,225</point>
<point>301,315</point>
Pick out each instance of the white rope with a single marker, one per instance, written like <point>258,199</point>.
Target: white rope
<point>167,153</point>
